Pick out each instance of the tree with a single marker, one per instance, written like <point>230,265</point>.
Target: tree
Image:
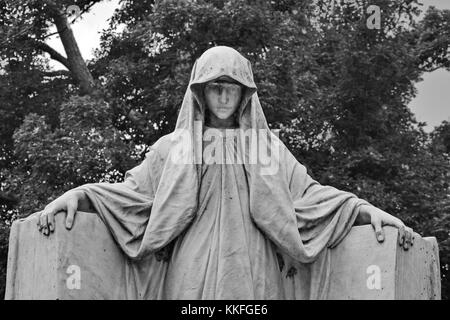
<point>25,26</point>
<point>441,138</point>
<point>28,86</point>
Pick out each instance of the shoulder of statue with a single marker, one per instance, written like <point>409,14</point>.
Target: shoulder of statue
<point>161,147</point>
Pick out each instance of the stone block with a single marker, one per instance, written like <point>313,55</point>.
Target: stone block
<point>85,263</point>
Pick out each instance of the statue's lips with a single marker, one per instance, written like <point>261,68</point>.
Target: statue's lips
<point>223,108</point>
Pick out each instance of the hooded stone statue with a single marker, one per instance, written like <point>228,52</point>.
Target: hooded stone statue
<point>195,229</point>
<point>224,223</point>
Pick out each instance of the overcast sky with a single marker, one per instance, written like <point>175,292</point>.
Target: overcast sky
<point>431,105</point>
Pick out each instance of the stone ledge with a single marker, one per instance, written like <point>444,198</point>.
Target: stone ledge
<point>62,266</point>
<point>364,269</point>
<point>41,267</point>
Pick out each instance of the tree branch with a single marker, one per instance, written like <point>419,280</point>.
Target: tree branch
<point>55,55</point>
<point>80,15</point>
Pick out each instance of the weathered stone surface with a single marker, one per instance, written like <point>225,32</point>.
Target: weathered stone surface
<point>85,263</point>
<point>364,269</point>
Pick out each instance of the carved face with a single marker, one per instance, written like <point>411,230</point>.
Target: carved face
<point>222,97</point>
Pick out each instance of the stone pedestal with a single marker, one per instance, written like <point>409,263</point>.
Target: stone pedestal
<point>85,263</point>
<point>364,269</point>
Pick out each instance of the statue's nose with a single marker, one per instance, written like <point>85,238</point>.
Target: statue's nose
<point>223,97</point>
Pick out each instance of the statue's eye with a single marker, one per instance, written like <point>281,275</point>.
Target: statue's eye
<point>219,87</point>
<point>216,87</point>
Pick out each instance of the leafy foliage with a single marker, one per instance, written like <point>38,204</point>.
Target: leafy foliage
<point>84,148</point>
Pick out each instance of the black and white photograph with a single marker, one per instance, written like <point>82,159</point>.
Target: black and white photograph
<point>226,150</point>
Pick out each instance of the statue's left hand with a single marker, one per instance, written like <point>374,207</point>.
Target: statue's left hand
<point>379,218</point>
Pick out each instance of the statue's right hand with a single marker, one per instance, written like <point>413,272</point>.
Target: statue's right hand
<point>67,202</point>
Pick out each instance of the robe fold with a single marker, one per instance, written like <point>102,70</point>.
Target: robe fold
<point>222,225</point>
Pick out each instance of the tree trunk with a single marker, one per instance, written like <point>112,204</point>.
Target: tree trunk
<point>77,66</point>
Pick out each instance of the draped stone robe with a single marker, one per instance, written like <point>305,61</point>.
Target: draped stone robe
<point>222,224</point>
